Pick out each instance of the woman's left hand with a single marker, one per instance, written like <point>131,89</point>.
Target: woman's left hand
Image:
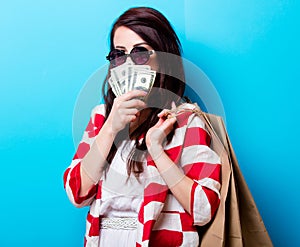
<point>157,134</point>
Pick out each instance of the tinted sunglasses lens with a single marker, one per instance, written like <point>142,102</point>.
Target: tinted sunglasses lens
<point>119,60</point>
<point>139,55</point>
<point>116,57</point>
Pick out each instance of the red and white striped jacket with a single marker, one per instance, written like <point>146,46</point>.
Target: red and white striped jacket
<point>162,221</point>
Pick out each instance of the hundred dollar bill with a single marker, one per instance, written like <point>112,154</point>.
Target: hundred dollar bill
<point>114,86</point>
<point>143,80</point>
<point>129,77</point>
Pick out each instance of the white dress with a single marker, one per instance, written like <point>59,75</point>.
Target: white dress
<point>121,197</point>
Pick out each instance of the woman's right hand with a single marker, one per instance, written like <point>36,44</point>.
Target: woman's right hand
<point>125,109</point>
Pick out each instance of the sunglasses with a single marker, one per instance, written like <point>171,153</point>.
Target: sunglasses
<point>139,55</point>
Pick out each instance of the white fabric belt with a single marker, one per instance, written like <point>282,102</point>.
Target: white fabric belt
<point>119,223</point>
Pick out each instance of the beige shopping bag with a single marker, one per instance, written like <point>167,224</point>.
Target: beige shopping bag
<point>237,222</point>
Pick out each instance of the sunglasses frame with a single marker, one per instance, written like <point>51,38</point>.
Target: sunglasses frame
<point>124,56</point>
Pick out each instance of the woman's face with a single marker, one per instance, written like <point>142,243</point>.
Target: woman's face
<point>126,39</point>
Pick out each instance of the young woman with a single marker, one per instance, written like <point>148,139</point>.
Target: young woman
<point>147,178</point>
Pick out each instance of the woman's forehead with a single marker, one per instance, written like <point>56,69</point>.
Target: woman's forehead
<point>126,38</point>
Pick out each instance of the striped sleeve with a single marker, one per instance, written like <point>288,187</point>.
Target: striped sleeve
<point>203,165</point>
<point>72,176</point>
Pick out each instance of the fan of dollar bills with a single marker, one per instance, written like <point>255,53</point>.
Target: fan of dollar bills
<point>127,77</point>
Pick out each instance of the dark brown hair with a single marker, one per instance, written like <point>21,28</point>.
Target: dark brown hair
<point>156,30</point>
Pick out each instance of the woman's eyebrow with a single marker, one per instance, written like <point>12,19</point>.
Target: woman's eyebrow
<point>121,47</point>
<point>138,44</point>
<point>124,48</point>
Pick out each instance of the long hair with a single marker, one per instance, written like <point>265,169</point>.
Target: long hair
<point>169,85</point>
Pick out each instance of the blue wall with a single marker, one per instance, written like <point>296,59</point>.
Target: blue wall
<point>248,49</point>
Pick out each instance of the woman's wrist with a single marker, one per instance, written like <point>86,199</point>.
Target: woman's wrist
<point>108,129</point>
<point>168,170</point>
<point>155,150</point>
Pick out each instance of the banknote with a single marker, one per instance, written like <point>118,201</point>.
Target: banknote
<point>127,77</point>
<point>114,86</point>
<point>143,80</point>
